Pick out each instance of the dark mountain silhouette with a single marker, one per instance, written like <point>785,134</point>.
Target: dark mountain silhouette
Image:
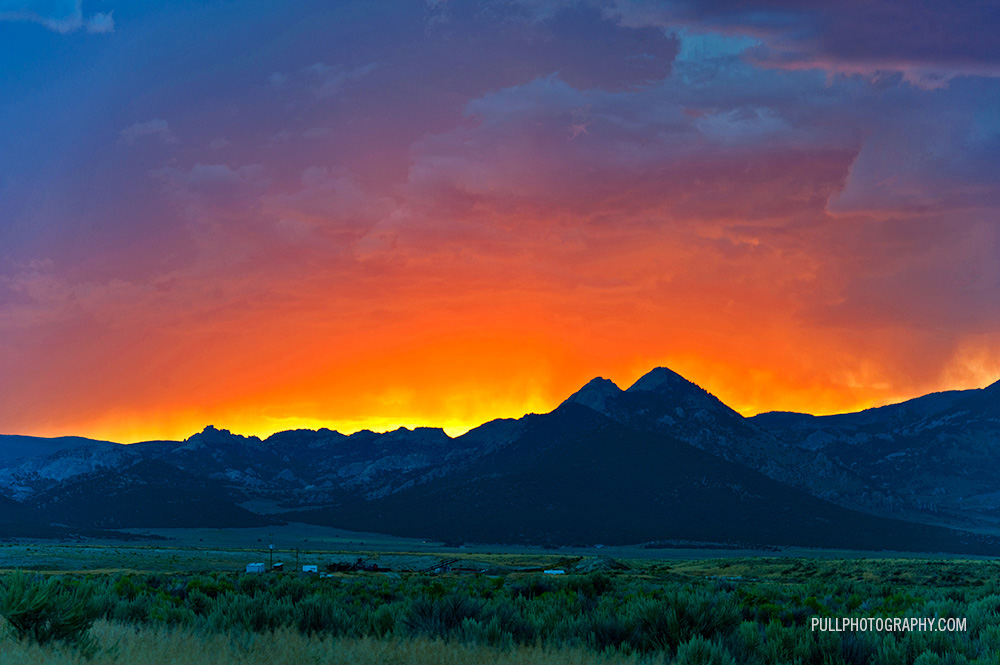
<point>20,521</point>
<point>663,460</point>
<point>575,476</point>
<point>147,494</point>
<point>14,513</point>
<point>934,456</point>
<point>664,402</point>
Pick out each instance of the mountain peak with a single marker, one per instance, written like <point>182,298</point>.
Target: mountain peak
<point>659,379</point>
<point>595,394</point>
<point>213,436</point>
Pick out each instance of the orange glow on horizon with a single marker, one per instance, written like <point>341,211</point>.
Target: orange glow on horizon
<point>505,313</point>
<point>455,341</point>
<point>472,406</point>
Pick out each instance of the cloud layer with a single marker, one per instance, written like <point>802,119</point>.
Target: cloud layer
<point>445,212</point>
<point>58,15</point>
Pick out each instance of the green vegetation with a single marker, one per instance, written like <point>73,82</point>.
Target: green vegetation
<point>756,612</point>
<point>47,611</point>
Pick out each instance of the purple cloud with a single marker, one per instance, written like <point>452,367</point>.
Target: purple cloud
<point>927,42</point>
<point>156,127</point>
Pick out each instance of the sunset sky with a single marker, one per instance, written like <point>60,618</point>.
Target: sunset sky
<point>271,215</point>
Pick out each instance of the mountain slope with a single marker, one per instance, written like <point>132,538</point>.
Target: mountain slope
<point>148,494</point>
<point>664,402</point>
<point>13,513</point>
<point>935,455</point>
<point>14,447</point>
<point>298,467</point>
<point>577,477</point>
<point>20,521</point>
<point>664,459</point>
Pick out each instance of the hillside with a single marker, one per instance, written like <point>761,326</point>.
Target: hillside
<point>576,477</point>
<point>662,460</point>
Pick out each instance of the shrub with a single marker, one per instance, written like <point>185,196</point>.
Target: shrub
<point>511,621</point>
<point>928,658</point>
<point>747,641</point>
<point>132,611</point>
<point>699,651</point>
<point>592,585</point>
<point>317,614</point>
<point>125,588</point>
<point>441,617</point>
<point>606,631</point>
<point>532,588</point>
<point>381,621</point>
<point>257,613</point>
<point>293,588</point>
<point>857,649</point>
<point>210,586</point>
<point>663,625</point>
<point>484,632</point>
<point>251,584</point>
<point>46,612</point>
<point>199,602</point>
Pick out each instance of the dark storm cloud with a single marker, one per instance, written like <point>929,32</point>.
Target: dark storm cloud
<point>928,42</point>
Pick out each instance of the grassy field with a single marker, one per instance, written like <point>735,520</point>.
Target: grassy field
<point>184,600</point>
<point>229,550</point>
<point>169,646</point>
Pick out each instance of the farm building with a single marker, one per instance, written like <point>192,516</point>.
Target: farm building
<point>255,567</point>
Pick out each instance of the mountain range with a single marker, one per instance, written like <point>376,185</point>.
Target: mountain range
<point>663,461</point>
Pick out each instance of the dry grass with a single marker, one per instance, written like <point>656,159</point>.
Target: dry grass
<point>168,646</point>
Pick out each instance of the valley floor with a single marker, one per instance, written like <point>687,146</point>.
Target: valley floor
<point>229,550</point>
<point>160,604</point>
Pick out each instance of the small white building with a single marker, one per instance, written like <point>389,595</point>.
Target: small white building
<point>310,569</point>
<point>554,571</point>
<point>255,567</point>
